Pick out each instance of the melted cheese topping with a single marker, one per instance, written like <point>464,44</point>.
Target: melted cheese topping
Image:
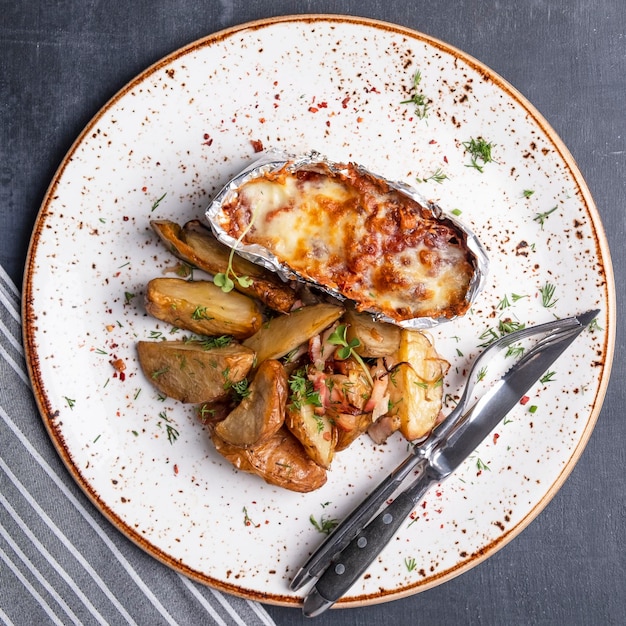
<point>351,232</point>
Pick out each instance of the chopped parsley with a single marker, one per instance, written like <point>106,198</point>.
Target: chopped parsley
<point>302,391</point>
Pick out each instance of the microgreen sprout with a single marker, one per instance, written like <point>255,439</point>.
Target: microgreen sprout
<point>347,349</point>
<point>223,279</point>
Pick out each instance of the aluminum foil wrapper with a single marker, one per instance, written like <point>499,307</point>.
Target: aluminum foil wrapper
<point>273,160</point>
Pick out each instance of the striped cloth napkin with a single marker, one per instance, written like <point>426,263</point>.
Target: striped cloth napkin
<point>61,561</point>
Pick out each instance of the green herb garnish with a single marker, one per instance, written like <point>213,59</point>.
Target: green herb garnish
<point>479,150</point>
<point>418,99</point>
<point>302,391</point>
<point>325,525</point>
<point>437,177</point>
<point>223,279</point>
<point>347,349</point>
<point>547,295</point>
<point>541,217</point>
<point>157,202</point>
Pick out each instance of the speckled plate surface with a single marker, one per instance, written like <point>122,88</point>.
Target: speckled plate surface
<point>162,147</point>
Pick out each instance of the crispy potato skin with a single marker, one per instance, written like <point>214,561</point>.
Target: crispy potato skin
<point>202,307</point>
<point>262,412</point>
<point>280,460</point>
<point>188,373</point>
<point>195,244</point>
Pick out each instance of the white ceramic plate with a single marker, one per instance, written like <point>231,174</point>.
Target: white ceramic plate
<point>162,147</point>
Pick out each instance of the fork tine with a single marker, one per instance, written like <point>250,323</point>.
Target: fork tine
<point>553,330</point>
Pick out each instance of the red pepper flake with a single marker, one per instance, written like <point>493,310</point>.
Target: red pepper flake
<point>125,218</point>
<point>432,141</point>
<point>445,159</point>
<point>424,504</point>
<point>359,119</point>
<point>175,469</point>
<point>495,438</point>
<point>261,120</point>
<point>323,105</point>
<point>208,140</point>
<point>277,96</point>
<point>144,189</point>
<point>344,102</point>
<point>257,145</point>
<point>524,400</point>
<point>313,109</point>
<point>122,376</point>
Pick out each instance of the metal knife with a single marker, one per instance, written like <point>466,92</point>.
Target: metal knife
<point>437,461</point>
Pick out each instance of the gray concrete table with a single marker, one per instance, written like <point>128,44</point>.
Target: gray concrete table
<point>59,63</point>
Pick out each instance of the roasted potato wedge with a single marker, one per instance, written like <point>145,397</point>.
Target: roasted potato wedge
<point>262,412</point>
<point>376,339</point>
<point>416,389</point>
<point>187,372</point>
<point>315,432</point>
<point>280,460</point>
<point>284,333</point>
<point>203,308</point>
<point>195,244</point>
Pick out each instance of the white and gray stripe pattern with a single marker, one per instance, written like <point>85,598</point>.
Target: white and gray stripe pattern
<point>61,561</point>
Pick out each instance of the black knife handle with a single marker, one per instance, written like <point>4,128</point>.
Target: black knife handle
<point>319,561</point>
<point>348,566</point>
